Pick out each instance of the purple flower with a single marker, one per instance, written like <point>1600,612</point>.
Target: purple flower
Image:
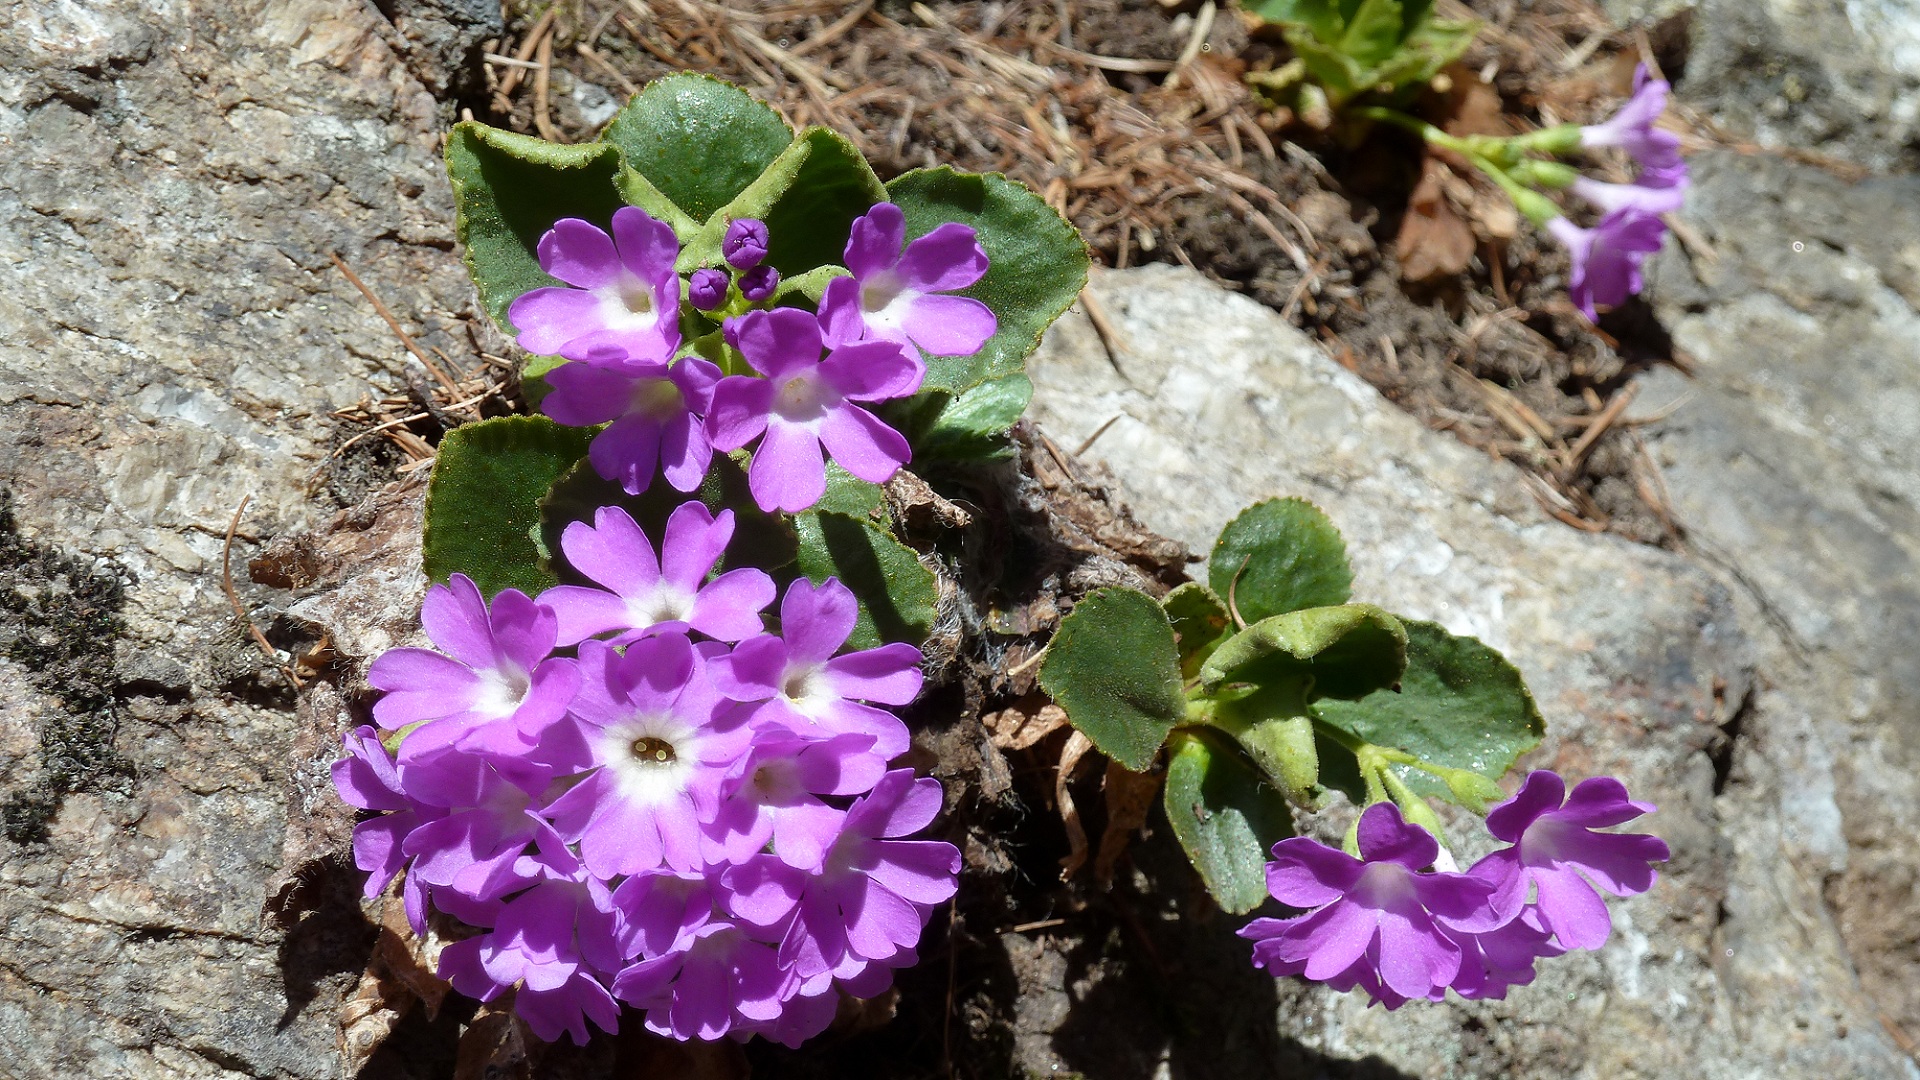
<point>472,848</point>
<point>652,595</point>
<point>369,779</point>
<point>661,909</point>
<point>624,303</point>
<point>657,413</point>
<point>645,725</point>
<point>797,682</point>
<point>707,288</point>
<point>1558,854</point>
<point>1374,922</point>
<point>758,283</point>
<point>745,243</point>
<point>496,690</point>
<point>550,941</point>
<point>775,797</point>
<point>1639,197</point>
<point>1607,257</point>
<point>806,402</point>
<point>894,295</point>
<point>721,980</point>
<point>872,894</point>
<point>1632,129</point>
<point>1493,961</point>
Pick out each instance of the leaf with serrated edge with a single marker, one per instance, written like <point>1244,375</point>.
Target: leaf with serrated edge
<point>1278,556</point>
<point>1113,666</point>
<point>508,190</point>
<point>1349,651</point>
<point>1037,263</point>
<point>697,140</point>
<point>1461,704</point>
<point>898,595</point>
<point>1199,623</point>
<point>1225,816</point>
<point>483,501</point>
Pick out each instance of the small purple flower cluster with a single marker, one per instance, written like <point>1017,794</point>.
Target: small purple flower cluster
<point>803,381</point>
<point>689,815</point>
<point>1607,257</point>
<point>1385,924</point>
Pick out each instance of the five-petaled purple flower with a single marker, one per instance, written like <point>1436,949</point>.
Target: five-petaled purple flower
<point>1607,257</point>
<point>1632,129</point>
<point>896,295</point>
<point>657,416</point>
<point>806,402</point>
<point>624,299</point>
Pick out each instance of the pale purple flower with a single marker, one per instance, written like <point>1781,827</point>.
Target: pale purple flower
<point>1632,129</point>
<point>1558,855</point>
<point>1640,197</point>
<point>745,243</point>
<point>484,827</point>
<point>648,726</point>
<point>492,692</point>
<point>624,299</point>
<point>796,681</point>
<point>1372,918</point>
<point>643,594</point>
<point>707,289</point>
<point>896,295</point>
<point>657,415</point>
<point>661,909</point>
<point>1493,961</point>
<point>805,403</point>
<point>721,980</point>
<point>759,283</point>
<point>775,797</point>
<point>1607,257</point>
<point>369,778</point>
<point>551,941</point>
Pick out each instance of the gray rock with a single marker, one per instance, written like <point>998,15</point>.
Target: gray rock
<point>1639,658</point>
<point>172,338</point>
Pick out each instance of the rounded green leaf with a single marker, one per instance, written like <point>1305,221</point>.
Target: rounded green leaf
<point>970,426</point>
<point>760,539</point>
<point>1279,556</point>
<point>1348,651</point>
<point>898,595</point>
<point>1461,705</point>
<point>697,140</point>
<point>1225,816</point>
<point>483,501</point>
<point>1037,263</point>
<point>1199,623</point>
<point>1113,667</point>
<point>508,190</point>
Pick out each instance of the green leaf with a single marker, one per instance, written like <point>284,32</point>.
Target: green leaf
<point>848,494</point>
<point>970,427</point>
<point>1323,18</point>
<point>1427,51</point>
<point>760,539</point>
<point>1037,263</point>
<point>1461,705</point>
<point>808,196</point>
<point>1348,652</point>
<point>898,595</point>
<point>508,190</point>
<point>1342,77</point>
<point>1199,624</point>
<point>1278,556</point>
<point>1373,33</point>
<point>483,502</point>
<point>1113,666</point>
<point>1225,816</point>
<point>697,140</point>
<point>809,287</point>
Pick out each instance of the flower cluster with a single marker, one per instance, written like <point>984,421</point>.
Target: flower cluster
<point>1386,924</point>
<point>722,360</point>
<point>688,815</point>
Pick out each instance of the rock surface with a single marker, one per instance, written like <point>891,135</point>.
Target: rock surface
<point>172,338</point>
<point>1641,661</point>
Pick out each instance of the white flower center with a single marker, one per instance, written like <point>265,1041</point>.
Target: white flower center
<point>651,756</point>
<point>658,398</point>
<point>664,604</point>
<point>627,304</point>
<point>806,690</point>
<point>502,689</point>
<point>801,397</point>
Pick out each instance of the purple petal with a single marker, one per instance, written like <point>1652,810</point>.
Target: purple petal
<point>729,607</point>
<point>1600,801</point>
<point>803,834</point>
<point>549,317</point>
<point>1387,837</point>
<point>889,674</point>
<point>1333,938</point>
<point>948,258</point>
<point>874,242</point>
<point>1306,873</point>
<point>739,412</point>
<point>900,805</point>
<point>1620,863</point>
<point>685,451</point>
<point>872,371</point>
<point>841,322</point>
<point>627,451</point>
<point>788,472</point>
<point>647,247</point>
<point>1572,909</point>
<point>455,618</point>
<point>695,540</point>
<point>753,671</point>
<point>582,612</point>
<point>1542,792</point>
<point>923,871</point>
<point>780,342</point>
<point>948,325</point>
<point>878,922</point>
<point>584,395</point>
<point>578,253</point>
<point>523,632</point>
<point>421,685</point>
<point>613,552</point>
<point>862,444</point>
<point>816,620</point>
<point>1414,958</point>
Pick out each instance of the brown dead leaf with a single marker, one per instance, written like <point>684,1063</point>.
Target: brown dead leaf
<point>1016,728</point>
<point>408,960</point>
<point>1434,242</point>
<point>1129,799</point>
<point>1474,107</point>
<point>494,1046</point>
<point>1070,755</point>
<point>399,974</point>
<point>368,1015</point>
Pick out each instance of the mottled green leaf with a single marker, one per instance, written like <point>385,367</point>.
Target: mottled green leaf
<point>1460,705</point>
<point>898,595</point>
<point>483,502</point>
<point>1113,666</point>
<point>1348,652</point>
<point>1278,556</point>
<point>1225,816</point>
<point>1199,621</point>
<point>697,140</point>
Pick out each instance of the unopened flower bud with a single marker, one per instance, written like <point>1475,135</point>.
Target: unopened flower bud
<point>707,289</point>
<point>745,243</point>
<point>758,283</point>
